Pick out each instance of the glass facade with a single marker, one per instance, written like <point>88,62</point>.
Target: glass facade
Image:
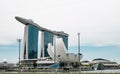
<point>65,40</point>
<point>48,38</point>
<point>32,42</point>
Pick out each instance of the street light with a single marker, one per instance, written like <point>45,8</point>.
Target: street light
<point>19,41</point>
<point>79,50</point>
<point>55,48</point>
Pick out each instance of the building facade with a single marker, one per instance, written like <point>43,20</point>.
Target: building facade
<point>32,41</point>
<point>48,38</point>
<point>30,48</point>
<point>31,35</point>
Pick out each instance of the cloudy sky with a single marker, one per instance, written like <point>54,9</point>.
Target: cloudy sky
<point>96,20</point>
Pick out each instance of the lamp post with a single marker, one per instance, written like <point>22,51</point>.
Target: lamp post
<point>55,48</point>
<point>19,41</point>
<point>79,51</point>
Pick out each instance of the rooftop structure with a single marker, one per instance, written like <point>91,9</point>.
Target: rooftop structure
<point>30,22</point>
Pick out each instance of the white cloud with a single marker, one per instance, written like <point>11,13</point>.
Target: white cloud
<point>98,21</point>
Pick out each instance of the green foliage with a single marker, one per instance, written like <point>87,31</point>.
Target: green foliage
<point>34,64</point>
<point>52,73</point>
<point>75,65</point>
<point>100,66</point>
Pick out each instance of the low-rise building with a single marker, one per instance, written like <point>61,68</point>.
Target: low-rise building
<point>7,66</point>
<point>99,64</point>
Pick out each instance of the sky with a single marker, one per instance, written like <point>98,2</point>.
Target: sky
<point>96,20</point>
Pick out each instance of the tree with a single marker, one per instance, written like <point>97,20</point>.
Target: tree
<point>75,65</point>
<point>100,66</point>
<point>34,64</point>
<point>62,64</point>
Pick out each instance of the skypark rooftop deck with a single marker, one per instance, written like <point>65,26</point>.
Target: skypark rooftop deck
<point>30,22</point>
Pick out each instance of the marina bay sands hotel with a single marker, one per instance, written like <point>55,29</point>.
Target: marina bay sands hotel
<point>54,44</point>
